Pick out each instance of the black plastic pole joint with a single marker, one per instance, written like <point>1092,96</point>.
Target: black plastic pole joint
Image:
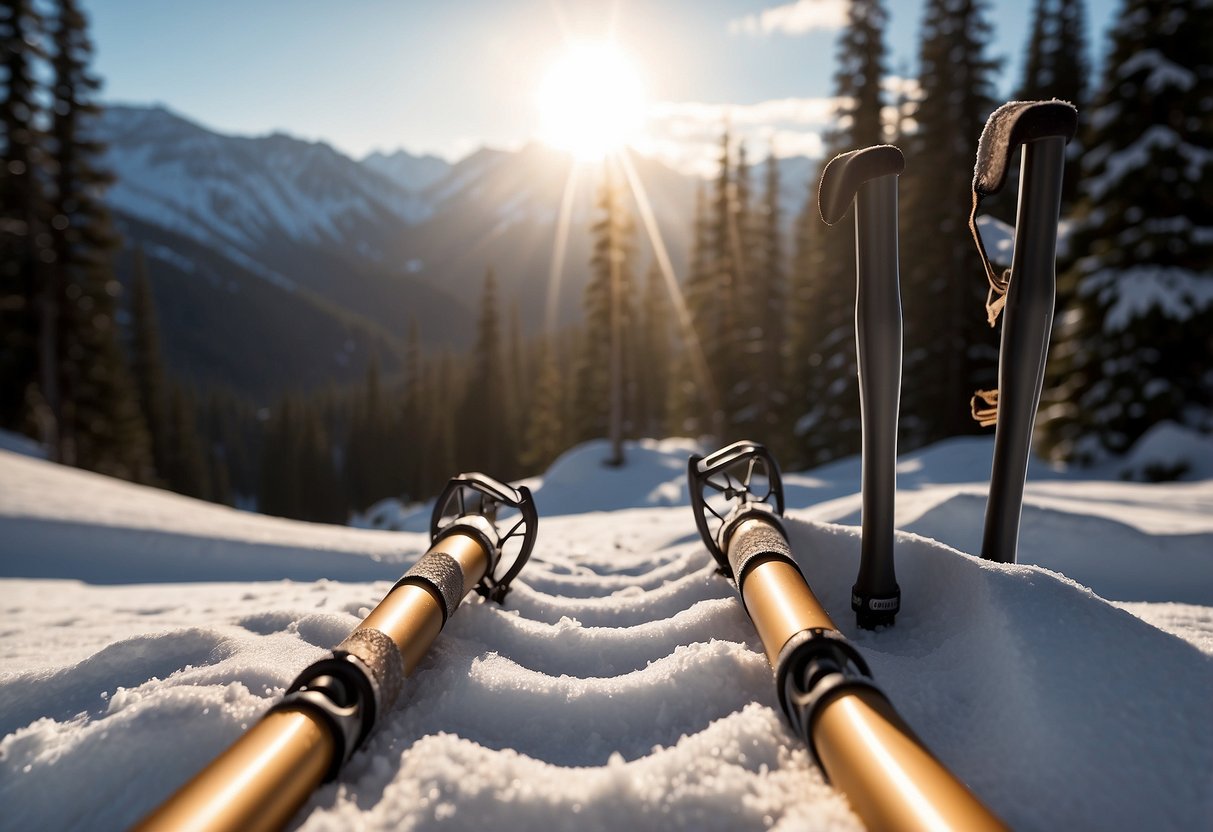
<point>814,666</point>
<point>347,689</point>
<point>869,178</point>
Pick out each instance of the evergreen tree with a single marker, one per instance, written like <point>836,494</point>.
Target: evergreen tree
<point>147,365</point>
<point>320,496</point>
<point>485,447</point>
<point>950,350</point>
<point>720,336</point>
<point>414,418</point>
<point>188,471</point>
<point>604,387</point>
<point>1133,348</point>
<point>100,425</point>
<point>688,405</point>
<point>23,241</point>
<point>654,356</point>
<point>280,493</point>
<point>546,434</point>
<point>765,340</point>
<point>827,403</point>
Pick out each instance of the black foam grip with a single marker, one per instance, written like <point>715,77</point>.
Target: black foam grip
<point>846,172</point>
<point>1011,125</point>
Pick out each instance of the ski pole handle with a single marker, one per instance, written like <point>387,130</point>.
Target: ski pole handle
<point>262,779</point>
<point>889,777</point>
<point>869,177</point>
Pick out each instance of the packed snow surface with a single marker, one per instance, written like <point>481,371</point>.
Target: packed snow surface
<point>621,684</point>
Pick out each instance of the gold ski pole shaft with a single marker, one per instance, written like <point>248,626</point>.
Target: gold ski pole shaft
<point>260,782</point>
<point>869,754</point>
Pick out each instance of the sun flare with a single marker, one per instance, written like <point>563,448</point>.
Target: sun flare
<point>592,101</point>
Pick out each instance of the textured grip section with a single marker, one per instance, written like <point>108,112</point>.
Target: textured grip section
<point>442,572</point>
<point>377,651</point>
<point>753,540</point>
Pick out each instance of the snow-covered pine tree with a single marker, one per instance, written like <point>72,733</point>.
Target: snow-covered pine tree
<point>1134,347</point>
<point>22,209</point>
<point>950,349</point>
<point>828,424</point>
<point>100,424</point>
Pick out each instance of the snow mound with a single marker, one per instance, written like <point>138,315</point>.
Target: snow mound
<point>1168,451</point>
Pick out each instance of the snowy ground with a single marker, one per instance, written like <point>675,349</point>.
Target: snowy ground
<point>621,685</point>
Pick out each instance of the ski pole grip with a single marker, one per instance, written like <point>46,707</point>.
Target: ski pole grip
<point>844,174</point>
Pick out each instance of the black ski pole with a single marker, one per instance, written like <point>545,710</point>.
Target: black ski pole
<point>825,689</point>
<point>869,177</point>
<point>1027,292</point>
<point>263,778</point>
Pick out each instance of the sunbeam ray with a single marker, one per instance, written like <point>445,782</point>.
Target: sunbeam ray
<point>559,246</point>
<point>699,364</point>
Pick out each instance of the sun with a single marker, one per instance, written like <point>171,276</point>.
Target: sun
<point>592,101</point>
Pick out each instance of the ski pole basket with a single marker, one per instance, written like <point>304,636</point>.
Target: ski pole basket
<point>736,482</point>
<point>504,517</point>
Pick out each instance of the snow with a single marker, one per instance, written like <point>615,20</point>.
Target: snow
<point>1163,73</point>
<point>1131,293</point>
<point>621,684</point>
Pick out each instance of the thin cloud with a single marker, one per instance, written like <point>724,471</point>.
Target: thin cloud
<point>686,134</point>
<point>793,18</point>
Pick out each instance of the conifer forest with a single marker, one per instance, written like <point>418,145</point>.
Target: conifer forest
<point>752,336</point>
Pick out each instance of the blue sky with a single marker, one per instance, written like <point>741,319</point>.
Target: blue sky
<point>446,77</point>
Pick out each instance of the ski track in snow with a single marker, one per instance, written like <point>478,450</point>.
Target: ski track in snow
<point>621,684</point>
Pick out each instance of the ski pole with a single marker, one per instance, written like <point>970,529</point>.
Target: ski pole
<point>869,177</point>
<point>824,686</point>
<point>260,781</point>
<point>1025,296</point>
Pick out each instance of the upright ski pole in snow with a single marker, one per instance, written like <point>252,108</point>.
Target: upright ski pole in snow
<point>869,177</point>
<point>1027,291</point>
<point>260,782</point>
<point>825,689</point>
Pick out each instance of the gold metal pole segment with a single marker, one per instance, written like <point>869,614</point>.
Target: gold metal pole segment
<point>257,784</point>
<point>870,755</point>
<point>890,779</point>
<point>411,614</point>
<point>781,604</point>
<point>262,779</point>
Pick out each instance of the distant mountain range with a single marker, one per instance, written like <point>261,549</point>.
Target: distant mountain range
<point>280,264</point>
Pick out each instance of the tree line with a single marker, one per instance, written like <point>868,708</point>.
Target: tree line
<point>763,346</point>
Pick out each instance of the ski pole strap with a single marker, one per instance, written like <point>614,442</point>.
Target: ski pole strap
<point>814,666</point>
<point>996,298</point>
<point>1011,125</point>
